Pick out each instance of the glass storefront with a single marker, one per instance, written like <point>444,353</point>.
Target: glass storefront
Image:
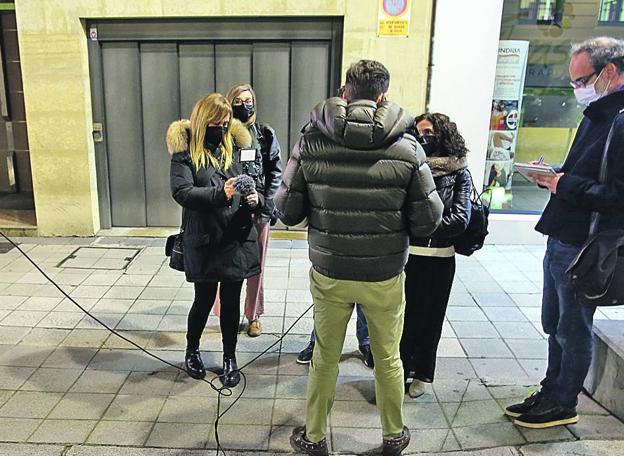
<point>542,119</point>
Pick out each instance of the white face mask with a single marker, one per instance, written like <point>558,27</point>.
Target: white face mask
<point>586,95</point>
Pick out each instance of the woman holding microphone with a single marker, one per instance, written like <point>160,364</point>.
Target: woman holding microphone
<point>219,236</point>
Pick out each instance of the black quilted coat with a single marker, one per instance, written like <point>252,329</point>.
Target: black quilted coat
<point>364,187</point>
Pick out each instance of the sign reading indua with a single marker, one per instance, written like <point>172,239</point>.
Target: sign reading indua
<point>509,50</point>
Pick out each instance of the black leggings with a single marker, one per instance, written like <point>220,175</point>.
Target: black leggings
<point>205,294</point>
<point>428,282</point>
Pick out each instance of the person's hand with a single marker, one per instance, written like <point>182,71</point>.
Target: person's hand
<point>549,182</point>
<point>253,199</point>
<point>229,189</point>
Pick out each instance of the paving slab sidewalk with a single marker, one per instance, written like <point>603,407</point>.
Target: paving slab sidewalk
<point>67,385</point>
<point>578,448</point>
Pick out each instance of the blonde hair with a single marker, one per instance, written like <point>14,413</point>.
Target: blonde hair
<point>212,108</point>
<point>236,91</point>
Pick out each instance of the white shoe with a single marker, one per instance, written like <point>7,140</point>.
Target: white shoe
<point>417,388</point>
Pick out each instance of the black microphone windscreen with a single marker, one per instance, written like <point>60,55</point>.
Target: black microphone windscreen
<point>244,185</point>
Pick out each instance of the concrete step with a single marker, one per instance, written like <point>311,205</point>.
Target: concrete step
<point>605,381</point>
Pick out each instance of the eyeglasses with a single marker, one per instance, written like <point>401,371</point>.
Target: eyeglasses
<point>582,81</point>
<point>239,101</point>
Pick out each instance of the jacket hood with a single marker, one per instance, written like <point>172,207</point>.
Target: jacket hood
<point>360,124</point>
<point>179,132</point>
<point>443,166</point>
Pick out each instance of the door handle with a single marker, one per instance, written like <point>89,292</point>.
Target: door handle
<point>98,135</point>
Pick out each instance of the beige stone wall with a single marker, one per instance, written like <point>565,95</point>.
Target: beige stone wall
<point>58,96</point>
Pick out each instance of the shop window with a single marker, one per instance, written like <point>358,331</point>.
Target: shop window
<point>550,107</point>
<point>541,11</point>
<point>540,116</point>
<point>611,12</point>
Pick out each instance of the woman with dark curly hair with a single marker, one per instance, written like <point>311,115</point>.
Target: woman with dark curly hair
<point>430,269</point>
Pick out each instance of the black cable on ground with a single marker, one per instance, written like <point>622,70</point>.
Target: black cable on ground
<point>222,391</point>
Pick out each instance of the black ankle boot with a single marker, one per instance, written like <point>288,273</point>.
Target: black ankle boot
<point>194,364</point>
<point>231,376</point>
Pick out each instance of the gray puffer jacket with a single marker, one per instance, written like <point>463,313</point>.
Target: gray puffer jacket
<point>363,185</point>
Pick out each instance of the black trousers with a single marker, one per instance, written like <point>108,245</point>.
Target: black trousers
<point>428,282</point>
<point>205,294</point>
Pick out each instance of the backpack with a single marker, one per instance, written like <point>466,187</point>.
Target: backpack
<point>473,238</point>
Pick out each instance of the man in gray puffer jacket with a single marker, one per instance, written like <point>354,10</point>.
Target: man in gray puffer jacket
<point>364,187</point>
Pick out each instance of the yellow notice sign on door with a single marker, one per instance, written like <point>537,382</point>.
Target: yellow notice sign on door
<point>393,18</point>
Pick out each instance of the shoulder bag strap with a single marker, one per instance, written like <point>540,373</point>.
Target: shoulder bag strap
<point>183,225</point>
<point>477,196</point>
<point>602,177</point>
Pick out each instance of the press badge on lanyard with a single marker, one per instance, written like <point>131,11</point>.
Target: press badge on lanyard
<point>247,155</point>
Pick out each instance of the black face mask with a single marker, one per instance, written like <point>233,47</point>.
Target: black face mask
<point>214,136</point>
<point>429,144</point>
<point>243,111</point>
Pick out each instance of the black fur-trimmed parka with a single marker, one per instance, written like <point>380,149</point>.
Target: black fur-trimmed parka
<point>220,240</point>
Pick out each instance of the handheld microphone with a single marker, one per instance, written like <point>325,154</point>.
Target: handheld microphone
<point>244,185</point>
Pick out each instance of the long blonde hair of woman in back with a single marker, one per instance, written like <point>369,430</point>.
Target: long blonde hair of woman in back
<point>210,109</point>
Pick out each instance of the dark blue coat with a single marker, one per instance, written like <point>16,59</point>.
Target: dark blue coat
<point>568,213</point>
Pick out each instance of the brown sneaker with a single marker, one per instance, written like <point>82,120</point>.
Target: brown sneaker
<point>255,328</point>
<point>395,445</point>
<point>300,442</point>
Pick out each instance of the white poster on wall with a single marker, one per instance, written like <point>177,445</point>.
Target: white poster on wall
<point>510,69</point>
<point>504,120</point>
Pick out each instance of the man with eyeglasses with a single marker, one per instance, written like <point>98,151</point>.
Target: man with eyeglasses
<point>597,76</point>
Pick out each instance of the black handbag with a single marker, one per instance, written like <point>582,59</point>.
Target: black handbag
<point>174,249</point>
<point>473,238</point>
<point>597,272</point>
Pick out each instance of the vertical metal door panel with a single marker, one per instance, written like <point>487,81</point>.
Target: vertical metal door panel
<point>271,70</point>
<point>147,85</point>
<point>233,65</point>
<point>122,94</point>
<point>99,117</point>
<point>161,102</point>
<point>309,82</point>
<point>4,107</point>
<point>197,75</point>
